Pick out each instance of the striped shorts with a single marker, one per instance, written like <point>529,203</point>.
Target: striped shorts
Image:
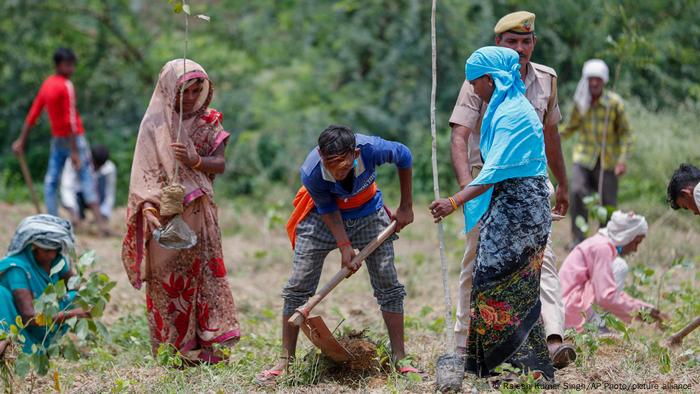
<point>313,243</point>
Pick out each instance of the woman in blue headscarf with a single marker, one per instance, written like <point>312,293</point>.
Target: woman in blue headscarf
<point>511,199</point>
<point>34,260</point>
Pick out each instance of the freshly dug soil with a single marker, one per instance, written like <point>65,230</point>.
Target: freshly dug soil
<point>364,352</point>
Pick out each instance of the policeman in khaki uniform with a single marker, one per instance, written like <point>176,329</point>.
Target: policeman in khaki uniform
<point>515,31</point>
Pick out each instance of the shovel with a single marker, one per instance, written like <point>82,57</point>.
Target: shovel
<point>314,327</point>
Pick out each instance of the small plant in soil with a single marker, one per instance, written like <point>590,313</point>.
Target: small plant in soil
<point>92,293</point>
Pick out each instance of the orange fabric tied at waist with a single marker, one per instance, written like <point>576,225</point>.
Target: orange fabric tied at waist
<point>358,199</point>
<point>303,204</point>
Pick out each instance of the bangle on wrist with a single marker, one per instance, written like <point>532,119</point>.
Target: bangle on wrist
<point>454,203</point>
<point>151,209</point>
<point>199,163</point>
<point>343,244</point>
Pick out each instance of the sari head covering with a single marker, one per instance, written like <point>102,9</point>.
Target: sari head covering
<point>45,231</point>
<point>624,227</point>
<point>591,68</point>
<point>154,161</point>
<point>512,140</point>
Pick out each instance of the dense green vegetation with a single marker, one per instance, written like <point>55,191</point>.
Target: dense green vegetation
<point>283,70</point>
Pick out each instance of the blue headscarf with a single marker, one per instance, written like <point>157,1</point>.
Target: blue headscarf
<point>512,138</point>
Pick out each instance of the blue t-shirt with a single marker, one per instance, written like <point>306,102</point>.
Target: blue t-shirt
<point>324,189</point>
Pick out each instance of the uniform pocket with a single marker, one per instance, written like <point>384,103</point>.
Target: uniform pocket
<point>541,108</point>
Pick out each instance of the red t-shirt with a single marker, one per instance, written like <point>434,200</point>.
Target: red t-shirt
<point>58,96</point>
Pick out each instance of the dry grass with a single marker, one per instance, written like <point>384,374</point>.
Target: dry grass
<point>258,257</point>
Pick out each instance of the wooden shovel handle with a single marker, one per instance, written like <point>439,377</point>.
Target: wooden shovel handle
<point>677,338</point>
<point>303,311</point>
<point>28,180</point>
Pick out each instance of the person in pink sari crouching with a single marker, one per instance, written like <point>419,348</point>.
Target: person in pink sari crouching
<point>595,271</point>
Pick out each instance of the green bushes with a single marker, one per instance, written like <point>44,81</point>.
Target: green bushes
<point>284,70</point>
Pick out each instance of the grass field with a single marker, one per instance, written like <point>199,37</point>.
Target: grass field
<point>664,273</point>
<point>258,258</point>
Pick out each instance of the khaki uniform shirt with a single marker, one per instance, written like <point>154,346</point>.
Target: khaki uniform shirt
<point>541,91</point>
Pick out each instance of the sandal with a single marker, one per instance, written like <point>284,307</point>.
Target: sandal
<point>513,380</point>
<point>409,369</point>
<point>269,377</point>
<point>404,368</point>
<point>563,356</point>
<point>510,379</point>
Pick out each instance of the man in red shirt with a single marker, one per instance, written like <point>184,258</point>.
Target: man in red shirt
<point>58,97</point>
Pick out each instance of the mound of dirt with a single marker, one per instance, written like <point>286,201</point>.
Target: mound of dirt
<point>363,351</point>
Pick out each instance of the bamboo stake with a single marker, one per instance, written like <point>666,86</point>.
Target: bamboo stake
<point>182,88</point>
<point>449,334</point>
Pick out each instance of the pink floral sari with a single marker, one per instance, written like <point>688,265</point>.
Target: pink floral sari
<point>188,298</point>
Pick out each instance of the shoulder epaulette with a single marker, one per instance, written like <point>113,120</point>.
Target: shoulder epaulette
<point>543,68</point>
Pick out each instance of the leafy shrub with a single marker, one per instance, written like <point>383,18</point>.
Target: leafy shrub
<point>93,294</point>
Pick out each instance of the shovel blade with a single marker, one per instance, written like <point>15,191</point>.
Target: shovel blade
<point>318,333</point>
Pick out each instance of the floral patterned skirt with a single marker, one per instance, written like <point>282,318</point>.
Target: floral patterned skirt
<point>188,298</point>
<point>505,324</point>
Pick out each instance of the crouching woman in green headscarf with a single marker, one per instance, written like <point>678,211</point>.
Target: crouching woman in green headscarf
<point>34,260</point>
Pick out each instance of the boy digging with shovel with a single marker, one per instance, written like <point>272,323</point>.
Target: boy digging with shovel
<point>339,206</point>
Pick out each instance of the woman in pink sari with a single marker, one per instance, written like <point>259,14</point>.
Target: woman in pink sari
<point>188,298</point>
